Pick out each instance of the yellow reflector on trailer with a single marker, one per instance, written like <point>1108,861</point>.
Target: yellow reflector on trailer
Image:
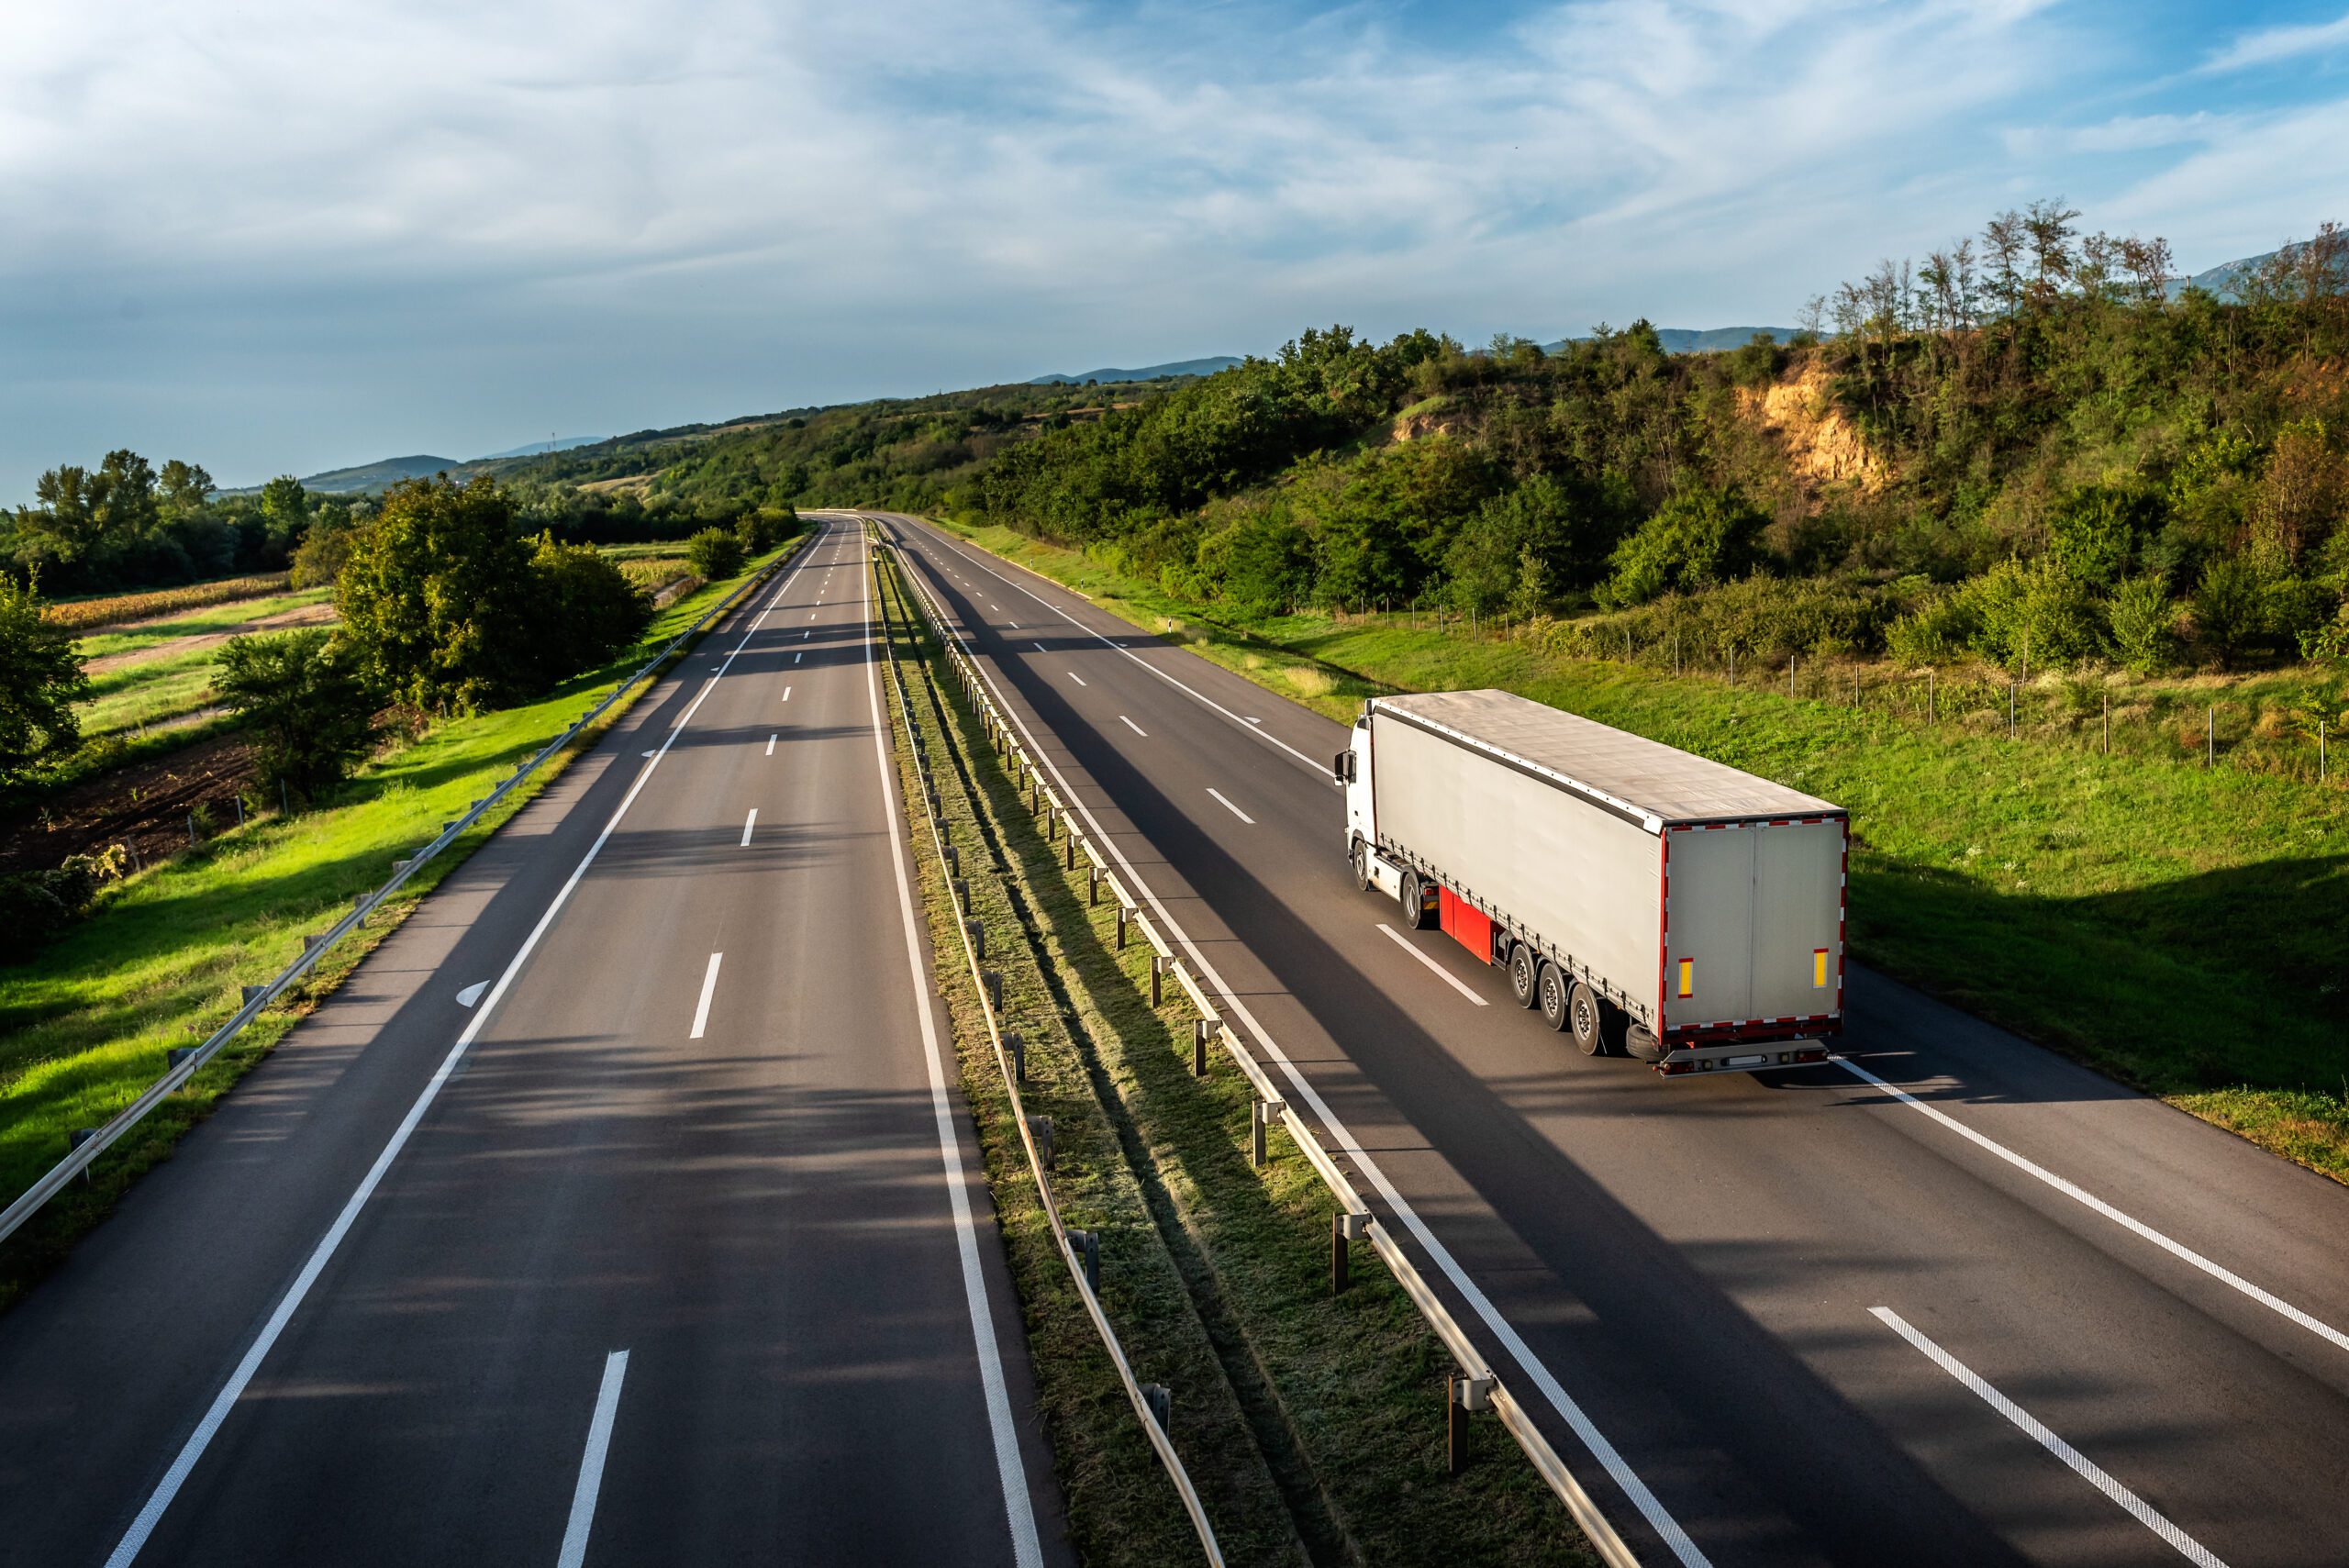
<point>1818,967</point>
<point>1687,978</point>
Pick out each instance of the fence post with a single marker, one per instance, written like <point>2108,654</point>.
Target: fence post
<point>2107,724</point>
<point>1929,694</point>
<point>2319,751</point>
<point>2210,736</point>
<point>2010,710</point>
<point>1790,676</point>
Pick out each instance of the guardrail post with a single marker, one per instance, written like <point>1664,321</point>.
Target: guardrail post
<point>1068,858</point>
<point>1018,1045</point>
<point>1092,887</point>
<point>1088,1252</point>
<point>1201,1029</point>
<point>978,935</point>
<point>994,981</point>
<point>1157,980</point>
<point>74,1140</point>
<point>1040,1128</point>
<point>1455,1424</point>
<point>1339,1259</point>
<point>961,893</point>
<point>953,860</point>
<point>1260,1113</point>
<point>1121,928</point>
<point>1161,1400</point>
<point>176,1054</point>
<point>246,994</point>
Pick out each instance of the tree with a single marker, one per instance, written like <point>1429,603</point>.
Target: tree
<point>325,549</point>
<point>437,597</point>
<point>304,698</point>
<point>1699,538</point>
<point>714,554</point>
<point>185,488</point>
<point>586,608</point>
<point>40,680</point>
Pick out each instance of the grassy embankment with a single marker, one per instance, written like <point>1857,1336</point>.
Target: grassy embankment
<point>1312,1424</point>
<point>2184,930</point>
<point>84,1025</point>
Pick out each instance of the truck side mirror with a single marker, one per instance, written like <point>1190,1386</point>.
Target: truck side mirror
<point>1342,767</point>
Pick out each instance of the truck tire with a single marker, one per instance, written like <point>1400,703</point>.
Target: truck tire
<point>1551,991</point>
<point>1524,976</point>
<point>1361,858</point>
<point>1586,1020</point>
<point>1415,902</point>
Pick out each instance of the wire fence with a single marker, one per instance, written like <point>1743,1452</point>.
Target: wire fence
<point>1478,1387</point>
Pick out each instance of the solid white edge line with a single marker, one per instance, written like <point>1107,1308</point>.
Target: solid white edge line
<point>591,1464</point>
<point>1409,946</point>
<point>750,822</point>
<point>2178,1249</point>
<point>1019,1508</point>
<point>1320,770</point>
<point>708,989</point>
<point>127,1549</point>
<point>1136,728</point>
<point>1227,805</point>
<point>1652,1511</point>
<point>2135,1506</point>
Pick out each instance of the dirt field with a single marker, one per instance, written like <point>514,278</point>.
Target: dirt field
<point>302,615</point>
<point>144,805</point>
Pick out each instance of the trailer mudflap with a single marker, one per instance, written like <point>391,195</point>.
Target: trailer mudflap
<point>1740,1056</point>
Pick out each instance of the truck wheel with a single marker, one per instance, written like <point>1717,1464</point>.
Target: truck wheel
<point>1550,992</point>
<point>1584,1021</point>
<point>1362,866</point>
<point>1523,972</point>
<point>1415,902</point>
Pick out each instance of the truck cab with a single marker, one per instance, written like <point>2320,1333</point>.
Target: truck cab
<point>1349,770</point>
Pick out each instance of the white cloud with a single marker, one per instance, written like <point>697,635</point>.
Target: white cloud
<point>2270,45</point>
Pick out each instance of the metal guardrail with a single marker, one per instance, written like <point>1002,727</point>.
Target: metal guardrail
<point>1069,1251</point>
<point>184,1064</point>
<point>1271,1104</point>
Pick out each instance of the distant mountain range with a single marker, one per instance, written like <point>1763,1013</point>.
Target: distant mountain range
<point>1147,373</point>
<point>540,449</point>
<point>385,471</point>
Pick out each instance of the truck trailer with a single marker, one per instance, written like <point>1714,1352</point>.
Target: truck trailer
<point>1650,902</point>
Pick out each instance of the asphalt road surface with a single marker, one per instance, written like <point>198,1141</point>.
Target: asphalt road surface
<point>1959,1301</point>
<point>621,1209</point>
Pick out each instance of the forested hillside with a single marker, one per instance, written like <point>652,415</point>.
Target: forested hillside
<point>2029,446</point>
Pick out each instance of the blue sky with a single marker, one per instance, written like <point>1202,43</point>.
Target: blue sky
<point>270,236</point>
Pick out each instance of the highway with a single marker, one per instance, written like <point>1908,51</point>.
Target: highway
<point>621,1208</point>
<point>1951,1300</point>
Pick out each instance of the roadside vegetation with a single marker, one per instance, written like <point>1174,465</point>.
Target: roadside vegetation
<point>1312,1423</point>
<point>2182,927</point>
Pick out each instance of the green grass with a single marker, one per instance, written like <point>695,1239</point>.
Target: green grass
<point>2184,930</point>
<point>84,1025</point>
<point>197,623</point>
<point>1327,1409</point>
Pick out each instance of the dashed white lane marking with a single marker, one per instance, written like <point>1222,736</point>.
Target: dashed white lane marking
<point>708,987</point>
<point>798,657</point>
<point>1229,807</point>
<point>786,693</point>
<point>1040,648</point>
<point>1136,728</point>
<point>770,739</point>
<point>1409,946</point>
<point>1077,678</point>
<point>2136,1508</point>
<point>748,823</point>
<point>2078,1195</point>
<point>591,1464</point>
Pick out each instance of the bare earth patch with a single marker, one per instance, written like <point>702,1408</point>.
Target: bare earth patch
<point>301,614</point>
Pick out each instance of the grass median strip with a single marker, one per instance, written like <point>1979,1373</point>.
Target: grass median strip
<point>1342,1397</point>
<point>84,1025</point>
<point>2184,930</point>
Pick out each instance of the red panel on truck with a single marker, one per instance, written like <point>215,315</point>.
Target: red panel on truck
<point>1465,925</point>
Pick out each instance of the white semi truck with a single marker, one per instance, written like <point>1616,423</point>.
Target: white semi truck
<point>1649,902</point>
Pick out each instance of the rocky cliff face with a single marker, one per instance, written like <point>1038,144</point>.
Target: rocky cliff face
<point>1820,442</point>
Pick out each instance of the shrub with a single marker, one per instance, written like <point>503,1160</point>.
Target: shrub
<point>715,554</point>
<point>36,906</point>
<point>1699,537</point>
<point>1936,632</point>
<point>2142,623</point>
<point>302,695</point>
<point>755,532</point>
<point>2034,613</point>
<point>1761,618</point>
<point>325,549</point>
<point>2328,643</point>
<point>584,606</point>
<point>40,680</point>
